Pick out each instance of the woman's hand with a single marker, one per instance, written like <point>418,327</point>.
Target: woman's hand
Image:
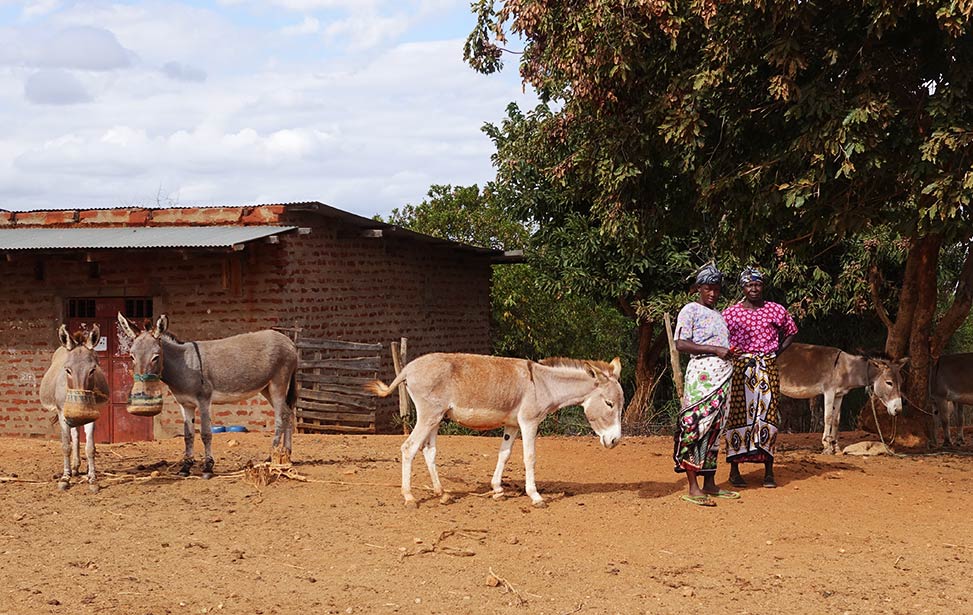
<point>726,354</point>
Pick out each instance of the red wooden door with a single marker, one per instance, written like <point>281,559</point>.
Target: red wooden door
<point>116,425</point>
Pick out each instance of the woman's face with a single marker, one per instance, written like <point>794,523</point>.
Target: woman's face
<point>708,294</point>
<point>754,291</point>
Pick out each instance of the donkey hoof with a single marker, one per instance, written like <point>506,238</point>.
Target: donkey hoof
<point>499,495</point>
<point>207,475</point>
<point>539,504</point>
<point>63,485</point>
<point>93,488</point>
<point>446,499</point>
<point>411,503</point>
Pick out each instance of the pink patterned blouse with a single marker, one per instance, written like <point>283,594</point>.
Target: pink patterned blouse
<point>759,330</point>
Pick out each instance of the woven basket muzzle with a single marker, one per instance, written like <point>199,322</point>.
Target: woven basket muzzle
<point>146,396</point>
<point>82,406</point>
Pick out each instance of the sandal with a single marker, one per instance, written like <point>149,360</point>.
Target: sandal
<point>725,494</point>
<point>698,500</point>
<point>769,483</point>
<point>737,481</point>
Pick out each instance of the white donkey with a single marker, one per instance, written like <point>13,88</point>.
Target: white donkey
<point>483,392</point>
<point>74,366</point>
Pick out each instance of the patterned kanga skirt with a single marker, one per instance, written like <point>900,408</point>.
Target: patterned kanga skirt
<point>700,423</point>
<point>751,430</point>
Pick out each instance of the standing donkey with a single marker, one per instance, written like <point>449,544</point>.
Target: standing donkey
<point>485,392</point>
<point>74,366</point>
<point>807,370</point>
<point>222,371</point>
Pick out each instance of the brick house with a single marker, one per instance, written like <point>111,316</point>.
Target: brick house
<point>217,272</point>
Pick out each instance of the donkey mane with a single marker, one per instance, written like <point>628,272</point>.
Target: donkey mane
<point>170,337</point>
<point>575,363</point>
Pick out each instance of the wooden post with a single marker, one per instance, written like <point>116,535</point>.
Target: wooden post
<point>399,350</point>
<point>674,358</point>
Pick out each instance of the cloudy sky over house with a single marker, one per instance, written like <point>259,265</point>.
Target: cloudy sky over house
<point>361,104</point>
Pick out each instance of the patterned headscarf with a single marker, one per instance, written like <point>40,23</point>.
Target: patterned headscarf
<point>709,274</point>
<point>751,274</point>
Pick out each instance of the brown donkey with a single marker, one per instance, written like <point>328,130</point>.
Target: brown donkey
<point>74,366</point>
<point>807,370</point>
<point>484,392</point>
<point>222,371</point>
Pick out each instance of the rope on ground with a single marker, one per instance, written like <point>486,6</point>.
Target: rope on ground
<point>894,425</point>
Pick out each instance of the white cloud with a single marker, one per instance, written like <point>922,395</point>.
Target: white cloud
<point>183,72</point>
<point>310,25</point>
<point>276,118</point>
<point>55,87</point>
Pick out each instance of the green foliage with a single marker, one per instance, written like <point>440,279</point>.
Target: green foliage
<point>778,119</point>
<point>463,214</point>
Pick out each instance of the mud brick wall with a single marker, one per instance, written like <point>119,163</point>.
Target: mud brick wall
<point>332,282</point>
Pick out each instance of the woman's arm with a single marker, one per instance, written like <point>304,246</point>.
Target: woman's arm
<point>688,347</point>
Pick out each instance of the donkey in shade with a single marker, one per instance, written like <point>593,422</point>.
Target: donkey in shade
<point>807,370</point>
<point>74,366</point>
<point>222,371</point>
<point>485,392</point>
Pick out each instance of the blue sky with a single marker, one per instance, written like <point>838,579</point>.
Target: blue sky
<point>361,104</point>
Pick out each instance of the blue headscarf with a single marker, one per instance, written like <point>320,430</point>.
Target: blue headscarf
<point>751,274</point>
<point>709,274</point>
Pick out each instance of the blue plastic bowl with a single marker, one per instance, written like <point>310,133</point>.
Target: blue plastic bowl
<point>218,429</point>
<point>236,428</point>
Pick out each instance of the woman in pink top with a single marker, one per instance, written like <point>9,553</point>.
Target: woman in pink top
<point>759,331</point>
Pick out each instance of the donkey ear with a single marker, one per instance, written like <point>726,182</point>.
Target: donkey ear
<point>66,340</point>
<point>161,326</point>
<point>92,337</point>
<point>595,372</point>
<point>616,367</point>
<point>126,327</point>
<point>902,362</point>
<point>591,370</point>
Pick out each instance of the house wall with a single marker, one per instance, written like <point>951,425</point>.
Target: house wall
<point>332,282</point>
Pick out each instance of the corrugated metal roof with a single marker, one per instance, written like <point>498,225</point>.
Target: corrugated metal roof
<point>33,238</point>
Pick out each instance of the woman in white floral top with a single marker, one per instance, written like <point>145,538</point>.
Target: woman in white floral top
<point>701,332</point>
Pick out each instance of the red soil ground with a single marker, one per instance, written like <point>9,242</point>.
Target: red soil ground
<point>839,535</point>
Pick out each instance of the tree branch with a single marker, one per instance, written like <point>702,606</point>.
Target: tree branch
<point>958,310</point>
<point>875,283</point>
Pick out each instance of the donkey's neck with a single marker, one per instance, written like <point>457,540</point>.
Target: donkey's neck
<point>857,370</point>
<point>562,386</point>
<point>180,364</point>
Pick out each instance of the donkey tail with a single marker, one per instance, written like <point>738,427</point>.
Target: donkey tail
<point>377,387</point>
<point>292,390</point>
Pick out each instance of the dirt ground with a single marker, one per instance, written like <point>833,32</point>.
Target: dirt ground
<point>840,534</point>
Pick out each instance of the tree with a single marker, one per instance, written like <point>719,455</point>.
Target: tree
<point>530,319</point>
<point>788,126</point>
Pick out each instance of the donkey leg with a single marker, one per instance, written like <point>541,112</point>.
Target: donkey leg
<point>429,452</point>
<point>836,424</point>
<point>206,435</point>
<point>283,423</point>
<point>89,453</point>
<point>509,435</point>
<point>529,431</point>
<point>65,481</point>
<point>75,452</point>
<point>960,424</point>
<point>828,436</point>
<point>947,418</point>
<point>424,427</point>
<point>188,434</point>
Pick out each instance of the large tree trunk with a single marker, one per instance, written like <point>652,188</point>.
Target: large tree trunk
<point>911,333</point>
<point>917,387</point>
<point>639,410</point>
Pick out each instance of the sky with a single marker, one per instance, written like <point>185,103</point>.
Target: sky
<point>360,104</point>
